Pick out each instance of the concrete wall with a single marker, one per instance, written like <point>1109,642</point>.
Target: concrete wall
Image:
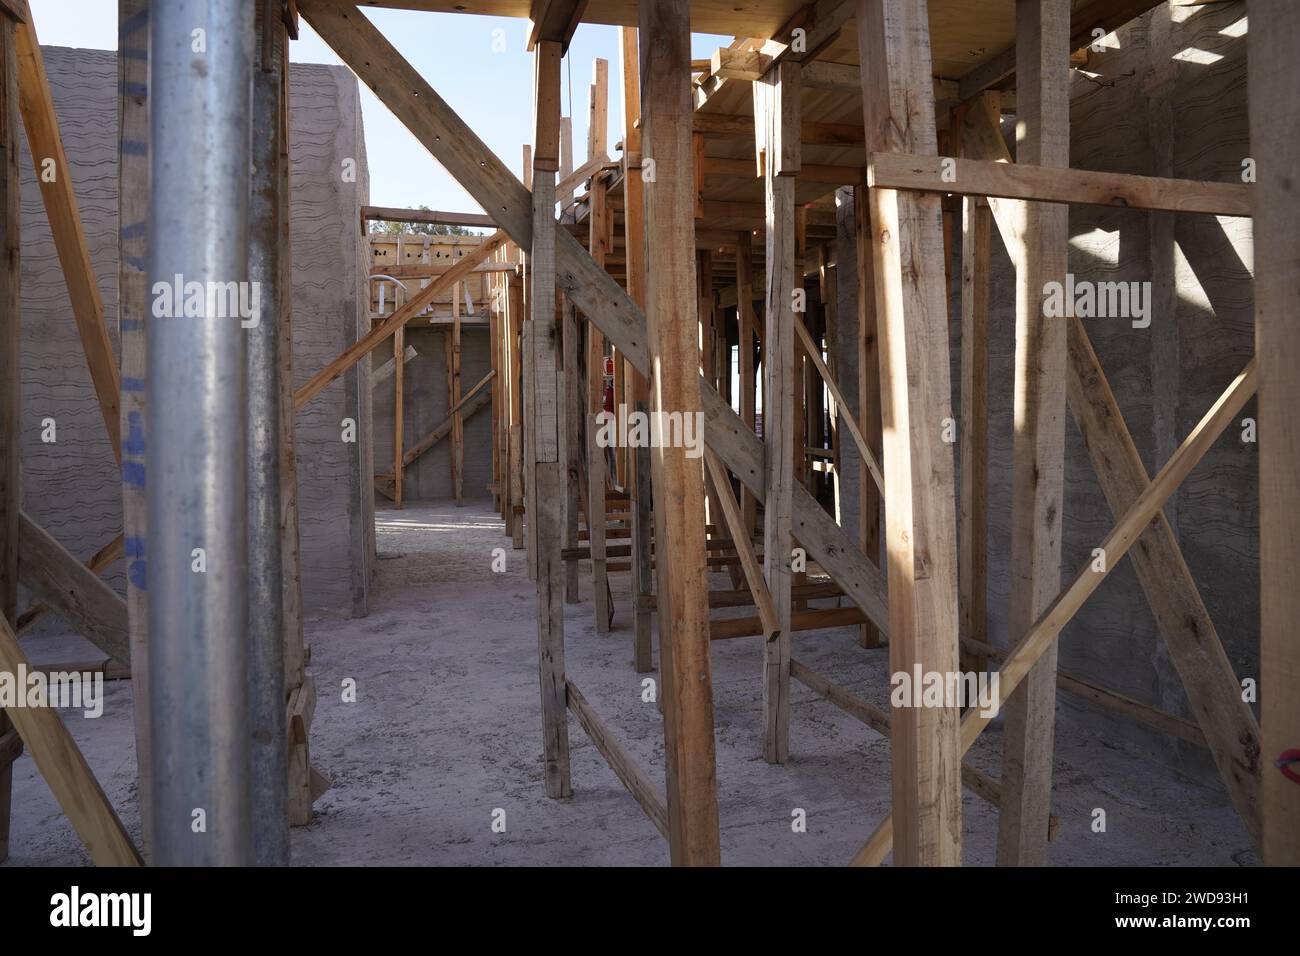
<point>71,486</point>
<point>424,408</point>
<point>1146,112</point>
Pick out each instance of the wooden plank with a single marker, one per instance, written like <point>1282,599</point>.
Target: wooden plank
<point>744,547</point>
<point>870,499</point>
<point>912,322</point>
<point>554,20</point>
<point>60,199</point>
<point>72,590</point>
<point>814,353</point>
<point>627,770</point>
<point>598,225</point>
<point>494,186</point>
<point>637,389</point>
<point>454,399</point>
<point>1128,529</point>
<point>470,405</point>
<point>776,111</point>
<point>1038,450</point>
<point>546,513</point>
<point>399,366</point>
<point>972,177</point>
<point>132,311</point>
<point>746,373</point>
<point>10,374</point>
<point>1274,49</point>
<point>678,481</point>
<point>380,333</point>
<point>65,770</point>
<point>434,217</point>
<point>973,440</point>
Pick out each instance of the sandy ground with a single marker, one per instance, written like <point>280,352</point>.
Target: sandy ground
<point>446,731</point>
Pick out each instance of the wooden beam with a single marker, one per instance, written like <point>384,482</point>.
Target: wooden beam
<point>627,770</point>
<point>814,353</point>
<point>10,375</point>
<point>1274,110</point>
<point>453,400</point>
<point>547,471</point>
<point>777,117</point>
<point>399,368</point>
<point>1037,640</point>
<point>972,177</point>
<point>554,20</point>
<point>72,590</point>
<point>870,499</point>
<point>1107,15</point>
<point>973,441</point>
<point>413,307</point>
<point>598,226</point>
<point>1038,452</point>
<point>912,321</point>
<point>744,547</point>
<point>470,405</point>
<point>678,481</point>
<point>741,126</point>
<point>637,387</point>
<point>65,770</point>
<point>60,199</point>
<point>434,217</point>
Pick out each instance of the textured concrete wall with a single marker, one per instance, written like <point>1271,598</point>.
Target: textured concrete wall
<point>71,486</point>
<point>330,260</point>
<point>424,408</point>
<point>1148,112</point>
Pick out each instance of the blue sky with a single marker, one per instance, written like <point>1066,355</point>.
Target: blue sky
<point>492,91</point>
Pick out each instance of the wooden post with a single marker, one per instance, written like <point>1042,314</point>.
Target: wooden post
<point>692,790</point>
<point>869,397</point>
<point>637,390</point>
<point>745,322</point>
<point>598,246</point>
<point>399,447</point>
<point>920,526</point>
<point>973,505</point>
<point>1038,455</point>
<point>10,381</point>
<point>132,308</point>
<point>777,126</point>
<point>1274,53</point>
<point>543,357</point>
<point>515,296</point>
<point>458,419</point>
<point>574,412</point>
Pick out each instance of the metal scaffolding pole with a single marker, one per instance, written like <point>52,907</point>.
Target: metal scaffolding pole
<point>269,756</point>
<point>201,59</point>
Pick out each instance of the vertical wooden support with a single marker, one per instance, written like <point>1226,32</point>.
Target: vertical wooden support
<point>745,322</point>
<point>132,309</point>
<point>566,159</point>
<point>1038,455</point>
<point>494,351</point>
<point>637,390</point>
<point>692,786</point>
<point>777,125</point>
<point>977,229</point>
<point>543,356</point>
<point>598,245</point>
<point>920,526</point>
<point>10,376</point>
<point>457,420</point>
<point>399,447</point>
<point>869,398</point>
<point>1274,113</point>
<point>515,296</point>
<point>574,413</point>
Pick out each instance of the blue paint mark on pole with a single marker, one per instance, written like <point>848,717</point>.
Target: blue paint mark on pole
<point>133,474</point>
<point>133,443</point>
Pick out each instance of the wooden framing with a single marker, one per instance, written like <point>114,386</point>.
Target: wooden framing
<point>911,315</point>
<point>1038,453</point>
<point>1274,49</point>
<point>10,387</point>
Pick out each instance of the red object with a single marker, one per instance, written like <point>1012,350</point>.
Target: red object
<point>1285,762</point>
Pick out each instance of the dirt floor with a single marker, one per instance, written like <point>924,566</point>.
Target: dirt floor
<point>445,733</point>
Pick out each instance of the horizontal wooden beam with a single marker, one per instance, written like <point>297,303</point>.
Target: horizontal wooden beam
<point>808,172</point>
<point>741,126</point>
<point>974,177</point>
<point>434,217</point>
<point>813,620</point>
